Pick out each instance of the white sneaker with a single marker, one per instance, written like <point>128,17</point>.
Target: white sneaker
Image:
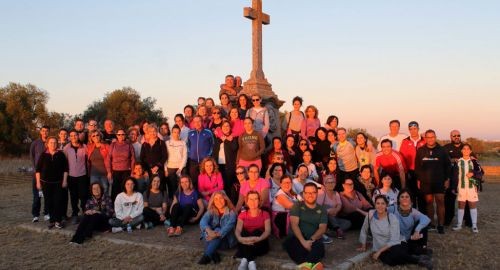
<point>46,217</point>
<point>457,227</point>
<point>116,229</point>
<point>35,219</point>
<point>252,265</point>
<point>475,230</point>
<point>243,264</point>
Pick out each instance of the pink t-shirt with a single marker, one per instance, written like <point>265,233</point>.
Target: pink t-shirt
<point>261,185</point>
<point>251,224</point>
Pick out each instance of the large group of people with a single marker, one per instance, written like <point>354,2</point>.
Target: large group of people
<point>217,167</point>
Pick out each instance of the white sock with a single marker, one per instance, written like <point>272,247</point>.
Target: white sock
<point>460,217</point>
<point>473,217</point>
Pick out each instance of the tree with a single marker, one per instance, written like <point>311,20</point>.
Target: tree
<point>352,132</point>
<point>477,145</point>
<point>22,111</point>
<point>125,107</point>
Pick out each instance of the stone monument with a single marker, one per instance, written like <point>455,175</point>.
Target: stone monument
<point>257,83</point>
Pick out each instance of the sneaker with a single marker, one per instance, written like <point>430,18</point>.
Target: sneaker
<point>178,231</point>
<point>46,217</point>
<point>305,266</point>
<point>457,227</point>
<point>440,229</point>
<point>116,229</point>
<point>73,243</point>
<point>340,234</point>
<point>58,225</point>
<point>475,230</point>
<point>171,231</point>
<point>243,264</point>
<point>51,225</point>
<point>252,265</point>
<point>204,260</point>
<point>318,266</point>
<point>326,239</point>
<point>138,227</point>
<point>35,219</point>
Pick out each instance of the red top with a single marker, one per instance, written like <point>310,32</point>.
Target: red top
<point>251,224</point>
<point>393,164</point>
<point>409,151</point>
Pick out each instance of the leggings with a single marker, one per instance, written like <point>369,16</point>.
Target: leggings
<point>299,254</point>
<point>250,252</point>
<point>398,255</point>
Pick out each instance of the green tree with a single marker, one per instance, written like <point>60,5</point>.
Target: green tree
<point>477,145</point>
<point>352,132</point>
<point>125,107</point>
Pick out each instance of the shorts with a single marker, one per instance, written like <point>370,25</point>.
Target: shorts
<point>467,194</point>
<point>432,188</point>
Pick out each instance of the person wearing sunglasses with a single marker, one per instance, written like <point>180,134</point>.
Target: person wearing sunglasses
<point>122,160</point>
<point>354,205</point>
<point>259,115</point>
<point>98,162</point>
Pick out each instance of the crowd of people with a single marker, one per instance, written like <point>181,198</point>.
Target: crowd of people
<point>217,167</point>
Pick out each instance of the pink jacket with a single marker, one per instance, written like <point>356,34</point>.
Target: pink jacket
<point>210,184</point>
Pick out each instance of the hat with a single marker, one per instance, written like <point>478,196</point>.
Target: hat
<point>413,124</point>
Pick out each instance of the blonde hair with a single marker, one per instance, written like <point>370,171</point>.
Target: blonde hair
<point>312,107</point>
<point>211,207</point>
<point>205,160</point>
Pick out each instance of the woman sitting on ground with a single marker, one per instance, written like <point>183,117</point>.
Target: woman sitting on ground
<point>331,200</point>
<point>254,183</point>
<point>210,179</point>
<point>354,205</point>
<point>386,187</point>
<point>155,204</point>
<point>412,224</point>
<point>187,206</point>
<point>128,208</point>
<point>384,229</point>
<point>282,203</point>
<point>98,210</point>
<point>252,232</point>
<point>217,227</point>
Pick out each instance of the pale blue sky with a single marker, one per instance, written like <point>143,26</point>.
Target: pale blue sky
<point>437,62</point>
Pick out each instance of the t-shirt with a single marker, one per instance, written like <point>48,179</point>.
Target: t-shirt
<point>155,200</point>
<point>309,218</point>
<point>261,185</point>
<point>251,224</point>
<point>188,200</point>
<point>97,161</point>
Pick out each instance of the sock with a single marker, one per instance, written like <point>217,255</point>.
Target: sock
<point>460,217</point>
<point>473,217</point>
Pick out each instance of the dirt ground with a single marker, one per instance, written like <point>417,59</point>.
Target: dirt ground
<point>26,249</point>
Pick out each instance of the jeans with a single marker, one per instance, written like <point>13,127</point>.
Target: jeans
<point>340,223</point>
<point>116,222</point>
<point>37,201</point>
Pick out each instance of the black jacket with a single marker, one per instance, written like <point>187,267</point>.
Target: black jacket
<point>230,151</point>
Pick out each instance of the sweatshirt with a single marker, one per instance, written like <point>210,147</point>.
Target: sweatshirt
<point>128,205</point>
<point>177,154</point>
<point>251,146</point>
<point>384,231</point>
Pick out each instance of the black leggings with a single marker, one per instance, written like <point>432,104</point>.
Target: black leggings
<point>78,191</point>
<point>356,219</point>
<point>280,221</point>
<point>53,194</point>
<point>250,252</point>
<point>150,215</point>
<point>180,215</point>
<point>299,254</point>
<point>89,224</point>
<point>398,255</point>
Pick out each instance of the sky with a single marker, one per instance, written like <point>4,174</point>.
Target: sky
<point>368,62</point>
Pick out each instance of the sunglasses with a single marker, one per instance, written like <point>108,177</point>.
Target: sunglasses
<point>239,173</point>
<point>120,134</point>
<point>455,136</point>
<point>215,112</point>
<point>257,99</point>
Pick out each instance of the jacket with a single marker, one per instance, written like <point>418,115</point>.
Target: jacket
<point>224,225</point>
<point>104,149</point>
<point>200,144</point>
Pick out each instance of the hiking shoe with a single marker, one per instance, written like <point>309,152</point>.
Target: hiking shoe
<point>340,234</point>
<point>46,217</point>
<point>475,230</point>
<point>457,227</point>
<point>318,266</point>
<point>178,231</point>
<point>243,264</point>
<point>326,239</point>
<point>204,260</point>
<point>252,265</point>
<point>58,225</point>
<point>440,229</point>
<point>305,266</point>
<point>116,229</point>
<point>35,219</point>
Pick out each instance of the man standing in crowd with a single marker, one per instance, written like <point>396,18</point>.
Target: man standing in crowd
<point>393,135</point>
<point>392,163</point>
<point>91,126</point>
<point>79,126</point>
<point>308,222</point>
<point>433,168</point>
<point>78,182</point>
<point>345,151</point>
<point>454,150</point>
<point>200,144</point>
<point>181,122</point>
<point>36,150</point>
<point>108,134</point>
<point>133,136</point>
<point>408,150</point>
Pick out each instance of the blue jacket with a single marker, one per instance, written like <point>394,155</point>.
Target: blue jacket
<point>200,144</point>
<point>224,225</point>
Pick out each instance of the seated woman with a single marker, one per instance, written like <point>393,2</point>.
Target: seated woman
<point>128,208</point>
<point>155,204</point>
<point>412,224</point>
<point>384,229</point>
<point>354,205</point>
<point>254,183</point>
<point>365,180</point>
<point>252,232</point>
<point>281,205</point>
<point>210,179</point>
<point>141,178</point>
<point>187,206</point>
<point>331,200</point>
<point>234,190</point>
<point>217,227</point>
<point>386,188</point>
<point>98,210</point>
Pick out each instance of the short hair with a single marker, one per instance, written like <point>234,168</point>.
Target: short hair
<point>79,120</point>
<point>176,127</point>
<point>394,121</point>
<point>249,118</point>
<point>430,131</point>
<point>276,164</point>
<point>402,191</point>
<point>310,184</point>
<point>190,107</point>
<point>229,76</point>
<point>200,98</point>
<point>45,127</point>
<point>297,98</point>
<point>253,165</point>
<point>180,116</point>
<point>386,141</point>
<point>366,166</point>
<point>331,118</point>
<point>302,165</point>
<point>62,129</point>
<point>383,197</point>
<point>100,187</point>
<point>72,130</point>
<point>341,128</point>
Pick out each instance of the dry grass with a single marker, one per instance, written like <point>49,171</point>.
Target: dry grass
<point>11,165</point>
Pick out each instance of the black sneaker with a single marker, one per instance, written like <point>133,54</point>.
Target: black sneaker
<point>216,258</point>
<point>204,260</point>
<point>431,228</point>
<point>440,229</point>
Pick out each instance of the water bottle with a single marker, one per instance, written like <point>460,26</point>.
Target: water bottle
<point>129,228</point>
<point>40,194</point>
